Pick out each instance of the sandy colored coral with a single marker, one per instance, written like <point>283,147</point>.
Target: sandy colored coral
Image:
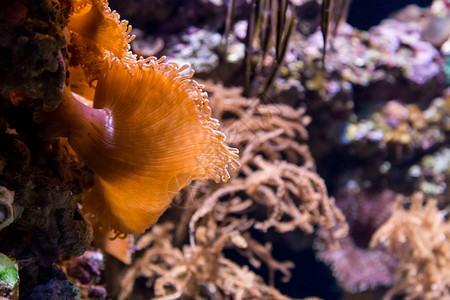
<point>194,271</point>
<point>419,236</point>
<point>277,168</point>
<point>276,188</point>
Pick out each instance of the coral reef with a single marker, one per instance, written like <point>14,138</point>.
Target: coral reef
<point>419,238</point>
<point>276,189</point>
<point>93,32</point>
<point>9,212</point>
<point>371,268</point>
<point>32,49</point>
<point>86,272</point>
<point>343,151</point>
<point>46,184</point>
<point>409,140</point>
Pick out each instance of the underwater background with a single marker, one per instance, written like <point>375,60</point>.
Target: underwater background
<point>306,157</point>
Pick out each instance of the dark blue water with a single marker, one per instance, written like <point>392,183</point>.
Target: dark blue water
<point>366,13</point>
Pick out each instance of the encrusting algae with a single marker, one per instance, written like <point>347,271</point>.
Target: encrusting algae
<point>149,132</point>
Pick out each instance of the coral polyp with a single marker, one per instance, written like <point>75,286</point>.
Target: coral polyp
<point>148,134</point>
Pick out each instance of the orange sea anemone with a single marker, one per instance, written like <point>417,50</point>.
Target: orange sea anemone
<point>94,28</point>
<point>94,20</point>
<point>149,133</point>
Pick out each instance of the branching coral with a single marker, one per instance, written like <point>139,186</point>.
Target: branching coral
<point>420,238</point>
<point>269,192</point>
<point>199,272</point>
<point>278,171</point>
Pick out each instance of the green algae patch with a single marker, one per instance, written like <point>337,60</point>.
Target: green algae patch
<point>9,277</point>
